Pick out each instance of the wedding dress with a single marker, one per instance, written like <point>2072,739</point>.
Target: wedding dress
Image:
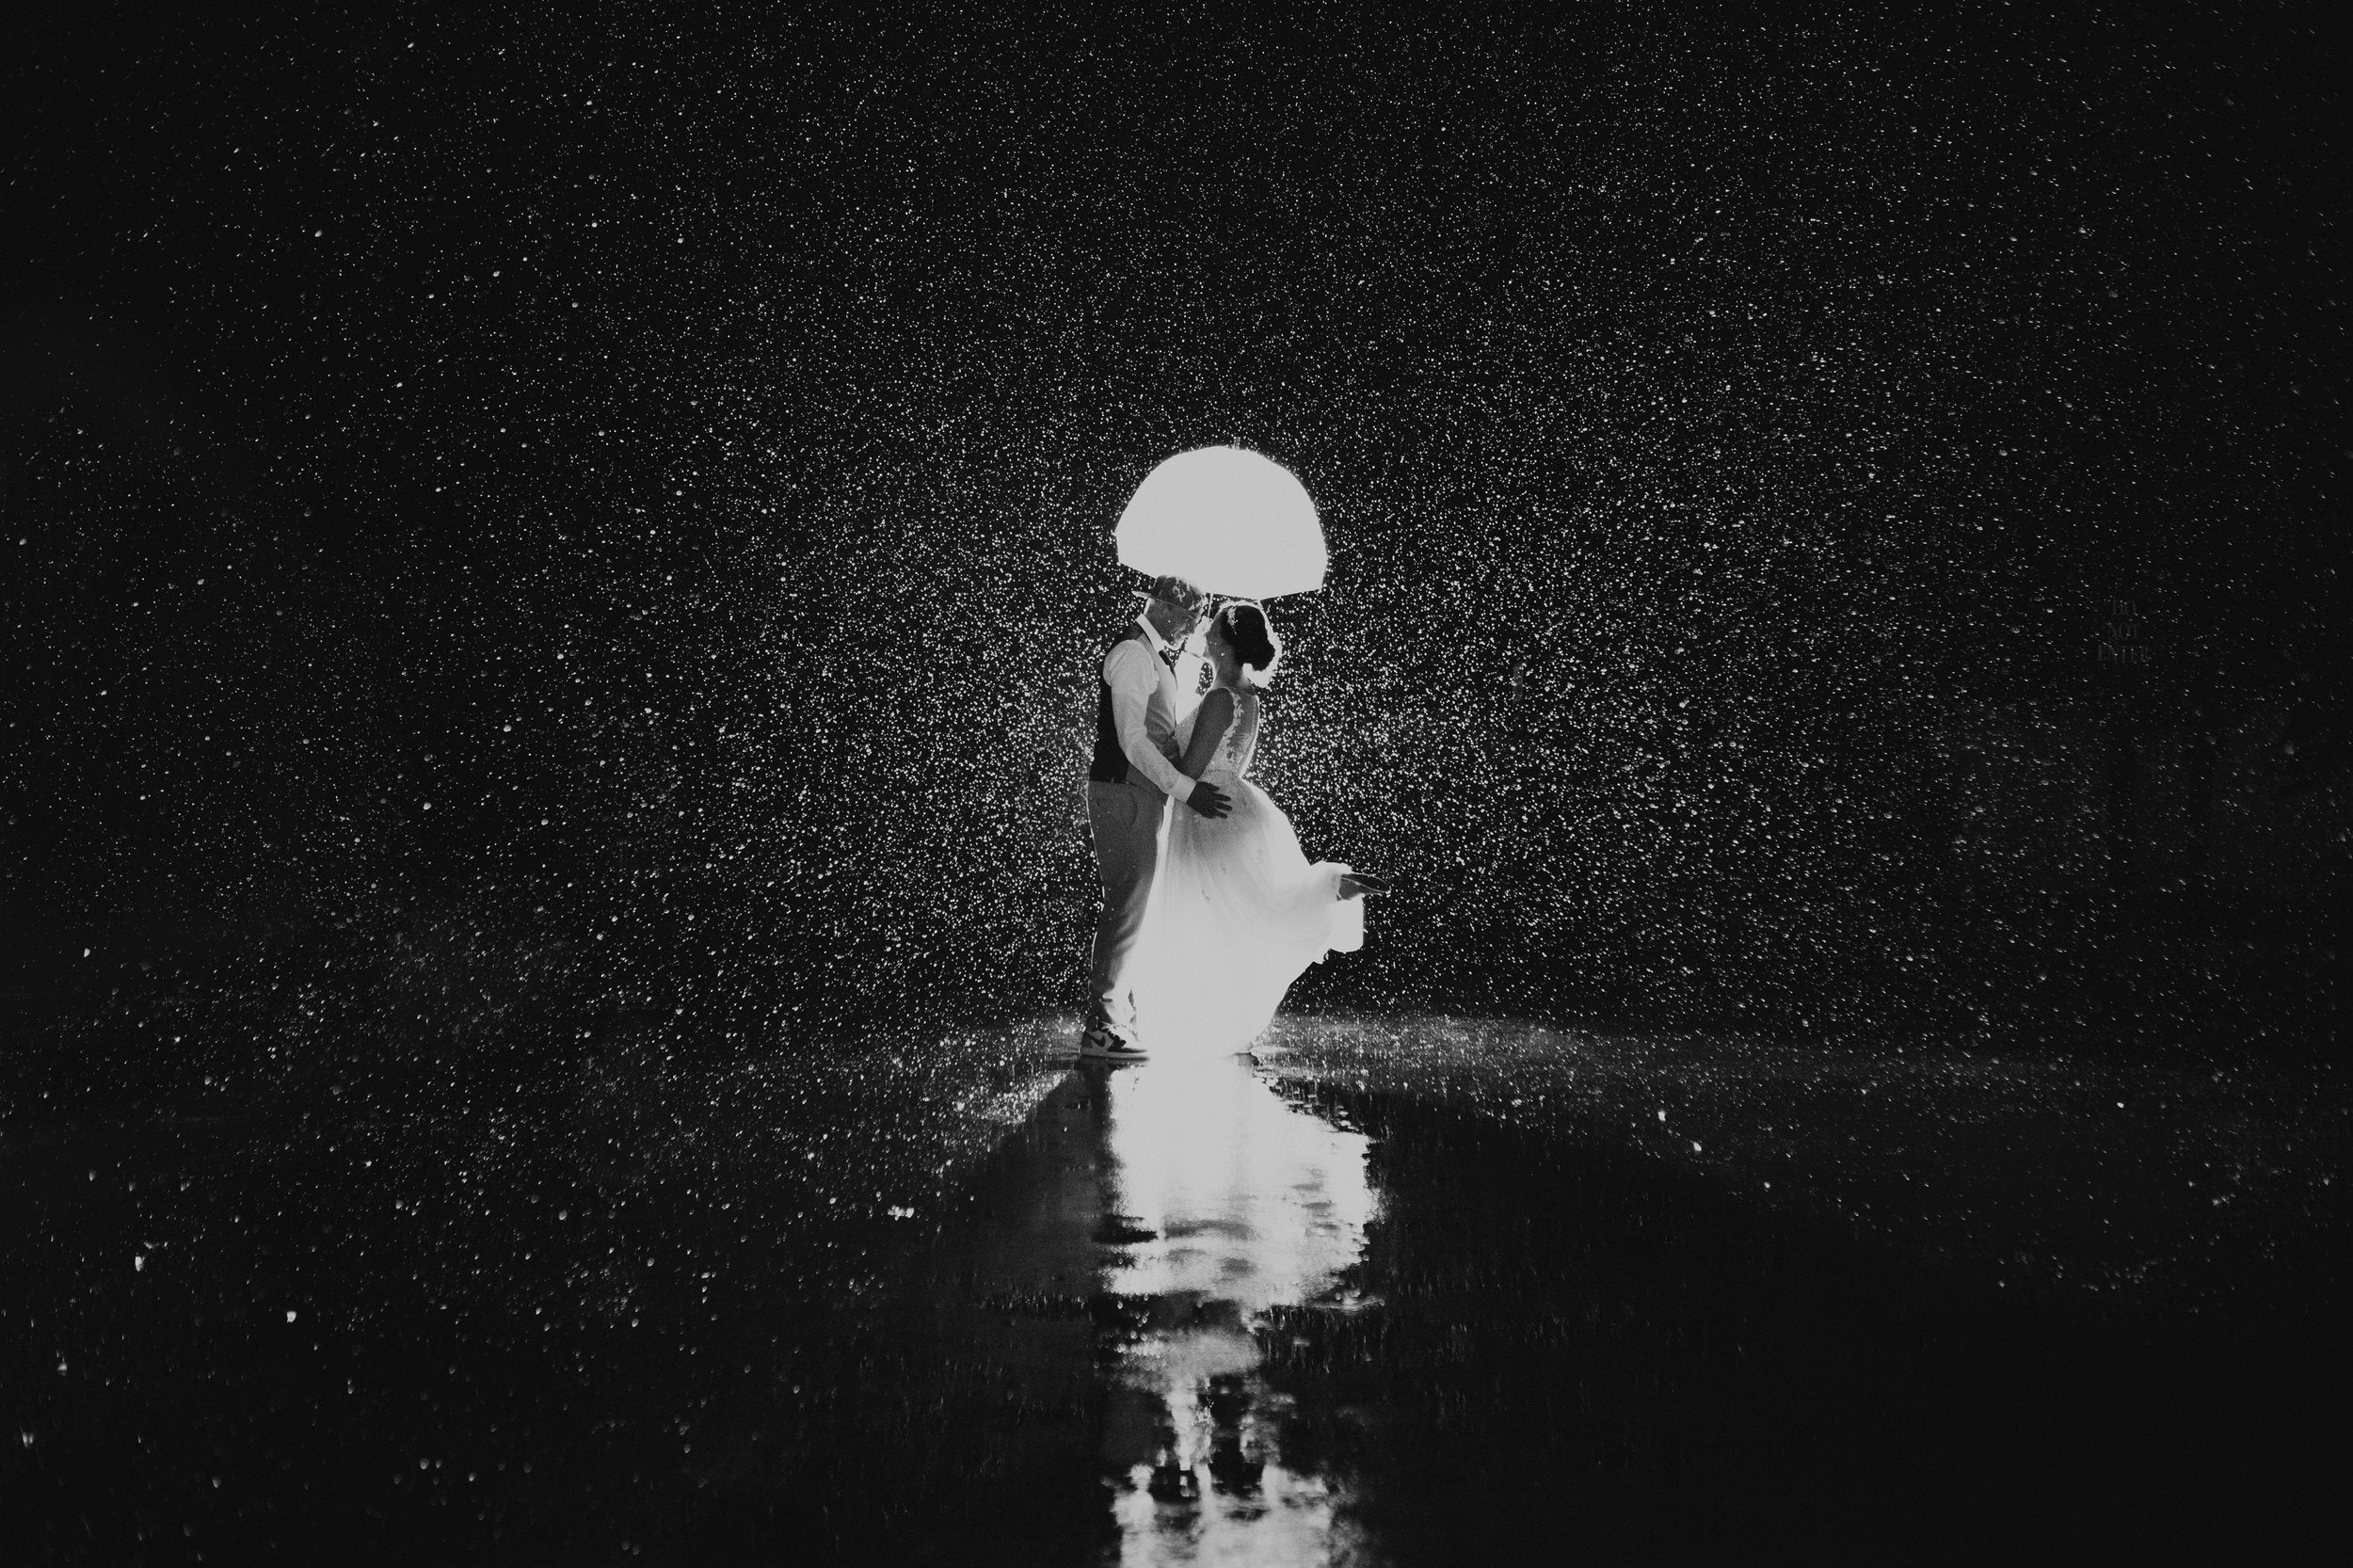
<point>1237,912</point>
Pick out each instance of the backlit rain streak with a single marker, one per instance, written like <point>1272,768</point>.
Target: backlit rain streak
<point>560,576</point>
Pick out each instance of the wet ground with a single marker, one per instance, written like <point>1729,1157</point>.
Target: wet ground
<point>1397,1290</point>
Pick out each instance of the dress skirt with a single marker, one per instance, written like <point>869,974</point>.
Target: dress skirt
<point>1237,913</point>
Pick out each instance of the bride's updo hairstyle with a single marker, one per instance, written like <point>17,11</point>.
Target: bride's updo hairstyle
<point>1252,637</point>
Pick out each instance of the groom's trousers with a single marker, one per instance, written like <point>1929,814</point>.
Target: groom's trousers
<point>1125,820</point>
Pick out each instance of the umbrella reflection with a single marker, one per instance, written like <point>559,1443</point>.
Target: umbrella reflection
<point>1222,1201</point>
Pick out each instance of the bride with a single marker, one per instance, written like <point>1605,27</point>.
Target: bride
<point>1237,912</point>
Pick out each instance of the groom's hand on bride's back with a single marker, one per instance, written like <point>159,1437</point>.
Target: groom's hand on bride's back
<point>1207,799</point>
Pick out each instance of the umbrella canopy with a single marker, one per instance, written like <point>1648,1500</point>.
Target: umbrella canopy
<point>1228,521</point>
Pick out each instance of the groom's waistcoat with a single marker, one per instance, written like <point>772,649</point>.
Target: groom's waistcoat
<point>1110,765</point>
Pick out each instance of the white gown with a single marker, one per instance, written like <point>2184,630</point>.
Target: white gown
<point>1237,912</point>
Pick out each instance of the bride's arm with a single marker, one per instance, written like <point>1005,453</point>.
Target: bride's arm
<point>1209,722</point>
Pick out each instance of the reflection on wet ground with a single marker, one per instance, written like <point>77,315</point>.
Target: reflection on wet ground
<point>1222,1203</point>
<point>1405,1290</point>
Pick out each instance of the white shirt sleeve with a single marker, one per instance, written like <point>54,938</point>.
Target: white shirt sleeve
<point>1134,675</point>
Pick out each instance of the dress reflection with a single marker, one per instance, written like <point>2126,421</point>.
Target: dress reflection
<point>1222,1201</point>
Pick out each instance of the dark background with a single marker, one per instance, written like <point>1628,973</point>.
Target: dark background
<point>512,513</point>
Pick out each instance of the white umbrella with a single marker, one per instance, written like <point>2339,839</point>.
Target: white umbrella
<point>1230,521</point>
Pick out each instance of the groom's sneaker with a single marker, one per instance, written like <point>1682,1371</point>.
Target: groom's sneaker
<point>1105,1044</point>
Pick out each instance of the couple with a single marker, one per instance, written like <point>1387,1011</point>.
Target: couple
<point>1205,926</point>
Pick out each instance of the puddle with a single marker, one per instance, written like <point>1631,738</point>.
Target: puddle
<point>1426,1298</point>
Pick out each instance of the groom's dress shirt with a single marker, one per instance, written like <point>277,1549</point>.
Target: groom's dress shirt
<point>1144,708</point>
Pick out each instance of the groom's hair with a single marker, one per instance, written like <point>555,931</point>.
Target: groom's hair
<point>1175,590</point>
<point>1251,636</point>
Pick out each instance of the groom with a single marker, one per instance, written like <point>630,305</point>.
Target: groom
<point>1137,709</point>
